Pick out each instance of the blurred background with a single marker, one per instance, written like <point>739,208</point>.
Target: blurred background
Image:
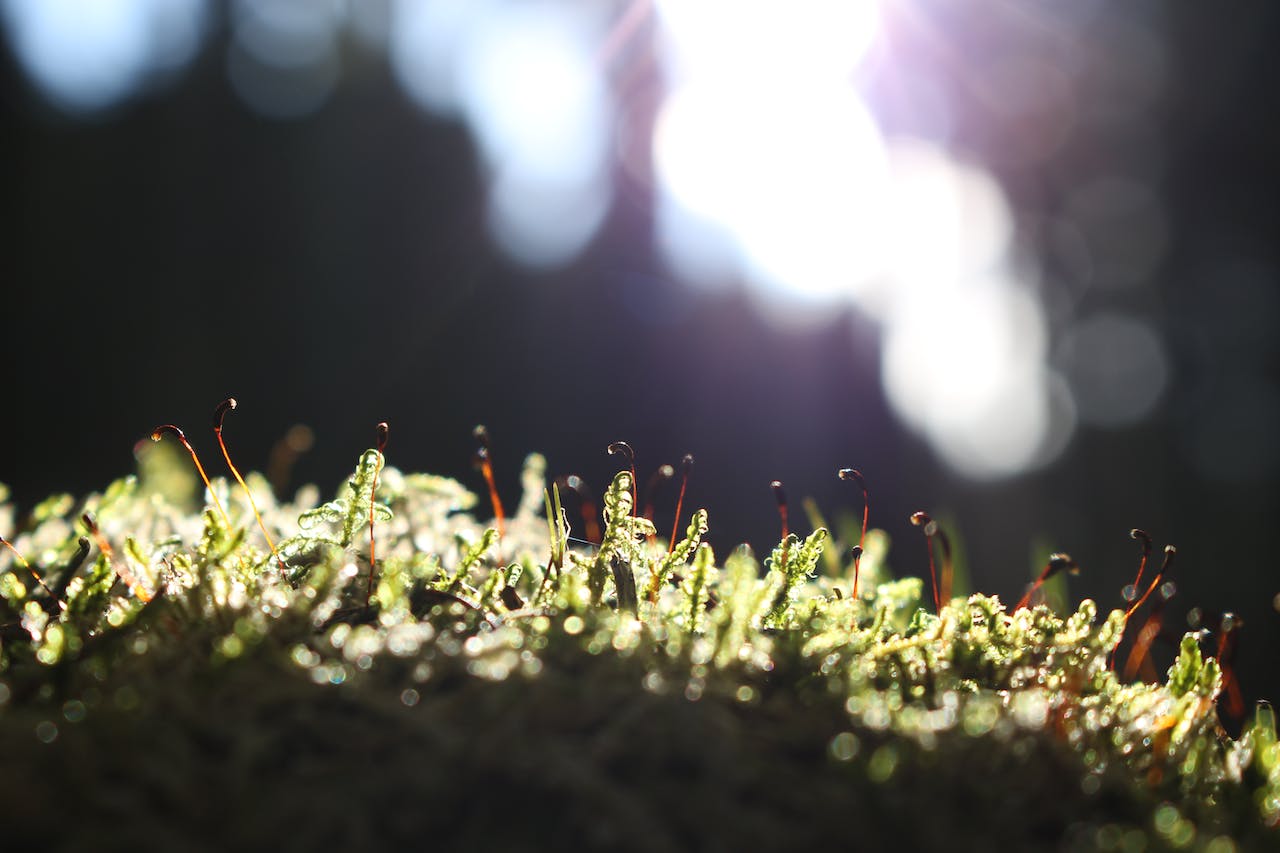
<point>1014,260</point>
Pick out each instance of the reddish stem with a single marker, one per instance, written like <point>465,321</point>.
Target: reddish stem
<point>1140,653</point>
<point>686,465</point>
<point>922,520</point>
<point>1228,638</point>
<point>219,414</point>
<point>781,497</point>
<point>32,569</point>
<point>104,546</point>
<point>1057,563</point>
<point>486,469</point>
<point>856,476</point>
<point>1139,534</point>
<point>159,432</point>
<point>1169,553</point>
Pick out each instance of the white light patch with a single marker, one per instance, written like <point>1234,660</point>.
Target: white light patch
<point>796,176</point>
<point>544,223</point>
<point>769,166</point>
<point>533,94</point>
<point>427,39</point>
<point>1025,426</point>
<point>88,56</point>
<point>288,33</point>
<point>525,78</point>
<point>964,367</point>
<point>535,102</point>
<point>812,218</point>
<point>177,30</point>
<point>733,40</point>
<point>1117,368</point>
<point>699,250</point>
<point>283,60</point>
<point>945,218</point>
<point>772,171</point>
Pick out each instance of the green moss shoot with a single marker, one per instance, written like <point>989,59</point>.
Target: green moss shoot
<point>523,691</point>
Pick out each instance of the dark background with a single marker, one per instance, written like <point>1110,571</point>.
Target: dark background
<point>335,270</point>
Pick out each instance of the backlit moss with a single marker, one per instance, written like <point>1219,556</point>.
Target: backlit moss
<point>759,707</point>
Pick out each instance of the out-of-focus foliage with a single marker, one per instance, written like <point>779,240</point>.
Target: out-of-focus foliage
<point>874,701</point>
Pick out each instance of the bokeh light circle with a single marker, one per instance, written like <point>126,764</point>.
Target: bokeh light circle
<point>1117,368</point>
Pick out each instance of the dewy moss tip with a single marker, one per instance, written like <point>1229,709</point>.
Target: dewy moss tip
<point>873,695</point>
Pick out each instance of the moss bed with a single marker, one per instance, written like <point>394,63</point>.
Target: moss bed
<point>187,689</point>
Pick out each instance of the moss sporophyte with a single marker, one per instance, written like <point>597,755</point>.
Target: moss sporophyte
<point>249,673</point>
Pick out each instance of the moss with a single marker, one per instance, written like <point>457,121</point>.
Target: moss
<point>494,693</point>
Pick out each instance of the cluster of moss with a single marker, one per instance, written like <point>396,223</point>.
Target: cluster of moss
<point>513,691</point>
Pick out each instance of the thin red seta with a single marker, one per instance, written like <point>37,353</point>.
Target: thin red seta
<point>32,570</point>
<point>485,464</point>
<point>856,553</point>
<point>159,432</point>
<point>625,449</point>
<point>1228,638</point>
<point>382,430</point>
<point>586,506</point>
<point>856,476</point>
<point>686,466</point>
<point>219,414</point>
<point>1131,592</point>
<point>123,572</point>
<point>947,573</point>
<point>930,527</point>
<point>1057,563</point>
<point>781,497</point>
<point>1140,654</point>
<point>1169,553</point>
